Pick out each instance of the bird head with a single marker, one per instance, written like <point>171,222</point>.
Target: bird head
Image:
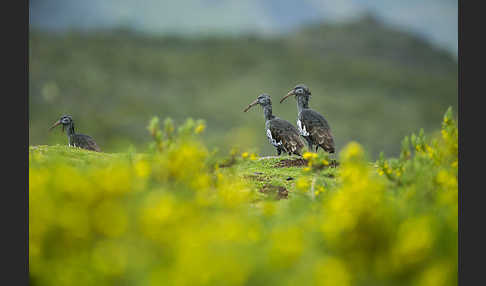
<point>263,99</point>
<point>65,120</point>
<point>299,90</point>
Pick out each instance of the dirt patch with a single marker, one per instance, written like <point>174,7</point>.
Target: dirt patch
<point>256,176</point>
<point>279,191</point>
<point>285,163</point>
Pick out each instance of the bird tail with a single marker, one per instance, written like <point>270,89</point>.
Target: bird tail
<point>324,139</point>
<point>294,144</point>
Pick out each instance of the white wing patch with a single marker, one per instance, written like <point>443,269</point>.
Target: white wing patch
<point>302,130</point>
<point>271,140</point>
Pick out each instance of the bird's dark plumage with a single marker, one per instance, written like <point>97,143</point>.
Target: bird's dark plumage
<point>280,133</point>
<point>74,139</point>
<point>312,125</point>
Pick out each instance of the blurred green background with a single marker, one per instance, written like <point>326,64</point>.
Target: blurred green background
<point>375,83</point>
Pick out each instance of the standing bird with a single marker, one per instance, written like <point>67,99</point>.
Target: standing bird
<point>280,133</point>
<point>312,125</point>
<point>76,140</point>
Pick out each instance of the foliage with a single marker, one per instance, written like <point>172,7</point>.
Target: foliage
<point>170,217</point>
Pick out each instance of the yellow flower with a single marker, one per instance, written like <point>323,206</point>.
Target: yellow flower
<point>142,169</point>
<point>352,151</point>
<point>245,155</point>
<point>302,184</point>
<point>200,128</point>
<point>435,275</point>
<point>309,155</point>
<point>332,271</point>
<point>416,239</point>
<point>110,219</point>
<point>253,157</point>
<point>444,134</point>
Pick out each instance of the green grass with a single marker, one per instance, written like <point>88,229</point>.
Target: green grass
<point>263,173</point>
<point>75,156</point>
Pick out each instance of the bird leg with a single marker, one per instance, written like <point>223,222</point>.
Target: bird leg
<point>309,143</point>
<point>333,160</point>
<point>279,151</point>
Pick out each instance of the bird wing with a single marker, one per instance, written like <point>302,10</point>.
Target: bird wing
<point>285,133</point>
<point>272,139</point>
<point>87,142</point>
<point>317,128</point>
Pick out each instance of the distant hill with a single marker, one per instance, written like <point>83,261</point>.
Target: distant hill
<point>374,84</point>
<point>436,20</point>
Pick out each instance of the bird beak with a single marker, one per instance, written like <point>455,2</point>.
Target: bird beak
<point>250,105</point>
<point>55,124</point>
<point>292,92</point>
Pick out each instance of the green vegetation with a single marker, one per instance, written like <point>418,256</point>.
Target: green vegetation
<point>179,215</point>
<point>374,84</point>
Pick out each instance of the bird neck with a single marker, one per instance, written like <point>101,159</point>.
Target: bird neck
<point>302,103</point>
<point>267,111</point>
<point>70,130</point>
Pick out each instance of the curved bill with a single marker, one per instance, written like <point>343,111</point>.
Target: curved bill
<point>288,94</point>
<point>55,124</point>
<point>251,105</point>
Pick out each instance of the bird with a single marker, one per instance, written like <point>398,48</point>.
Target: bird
<point>312,125</point>
<point>280,133</point>
<point>74,139</point>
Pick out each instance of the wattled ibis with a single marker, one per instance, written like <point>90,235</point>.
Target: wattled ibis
<point>280,133</point>
<point>75,139</point>
<point>312,125</point>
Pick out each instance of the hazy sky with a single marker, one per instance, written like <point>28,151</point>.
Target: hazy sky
<point>435,20</point>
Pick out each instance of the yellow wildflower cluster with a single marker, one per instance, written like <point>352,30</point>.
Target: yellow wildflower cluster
<point>316,161</point>
<point>251,156</point>
<point>200,128</point>
<point>168,218</point>
<point>309,155</point>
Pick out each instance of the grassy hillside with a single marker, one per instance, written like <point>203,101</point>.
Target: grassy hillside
<point>178,215</point>
<point>373,84</point>
<point>269,177</point>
